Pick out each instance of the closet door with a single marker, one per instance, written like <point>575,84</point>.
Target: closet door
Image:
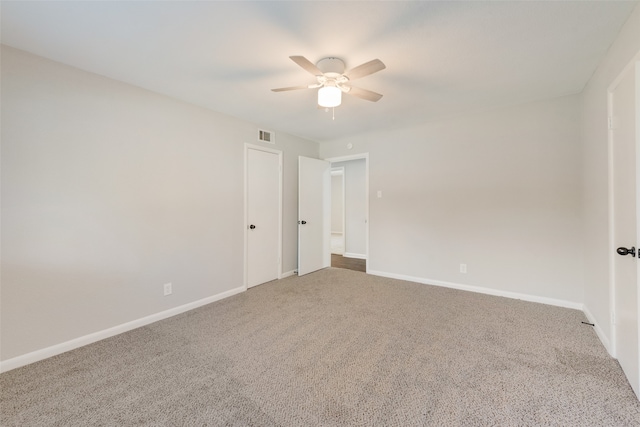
<point>263,216</point>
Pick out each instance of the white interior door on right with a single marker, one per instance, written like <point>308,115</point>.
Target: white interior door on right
<point>314,215</point>
<point>623,123</point>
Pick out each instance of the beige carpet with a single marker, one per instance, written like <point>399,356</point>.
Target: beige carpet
<point>335,348</point>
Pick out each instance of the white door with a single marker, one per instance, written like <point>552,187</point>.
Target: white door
<point>263,216</point>
<point>625,218</point>
<point>314,215</point>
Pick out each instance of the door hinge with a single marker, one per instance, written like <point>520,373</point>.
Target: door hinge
<point>613,318</point>
<point>613,122</point>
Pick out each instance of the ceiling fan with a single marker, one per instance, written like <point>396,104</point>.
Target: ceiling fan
<point>332,80</point>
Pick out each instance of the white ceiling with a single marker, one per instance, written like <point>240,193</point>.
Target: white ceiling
<point>443,58</point>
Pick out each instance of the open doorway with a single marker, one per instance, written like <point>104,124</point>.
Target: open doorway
<point>349,212</point>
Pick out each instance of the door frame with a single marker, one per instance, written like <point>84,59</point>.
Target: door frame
<point>612,348</point>
<point>245,269</point>
<point>359,156</point>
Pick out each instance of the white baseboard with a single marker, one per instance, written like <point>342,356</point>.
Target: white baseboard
<point>353,255</point>
<point>599,332</point>
<point>482,290</point>
<point>287,274</point>
<point>54,350</point>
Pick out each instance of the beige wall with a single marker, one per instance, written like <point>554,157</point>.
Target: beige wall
<point>337,197</point>
<point>108,192</point>
<point>499,191</point>
<point>595,173</point>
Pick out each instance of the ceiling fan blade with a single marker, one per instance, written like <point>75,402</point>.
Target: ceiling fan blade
<point>361,93</point>
<point>283,89</point>
<point>365,69</point>
<point>307,65</point>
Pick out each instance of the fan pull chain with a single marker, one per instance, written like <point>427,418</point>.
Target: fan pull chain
<point>333,113</point>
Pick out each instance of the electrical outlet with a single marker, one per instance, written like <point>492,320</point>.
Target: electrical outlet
<point>463,268</point>
<point>167,289</point>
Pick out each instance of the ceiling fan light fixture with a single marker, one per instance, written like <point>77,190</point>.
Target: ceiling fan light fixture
<point>329,96</point>
<point>332,80</point>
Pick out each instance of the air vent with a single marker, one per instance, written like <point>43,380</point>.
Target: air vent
<point>266,136</point>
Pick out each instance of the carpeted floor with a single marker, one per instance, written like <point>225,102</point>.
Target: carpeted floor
<point>335,348</point>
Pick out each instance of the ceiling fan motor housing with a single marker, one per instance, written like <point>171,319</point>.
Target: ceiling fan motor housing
<point>331,67</point>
